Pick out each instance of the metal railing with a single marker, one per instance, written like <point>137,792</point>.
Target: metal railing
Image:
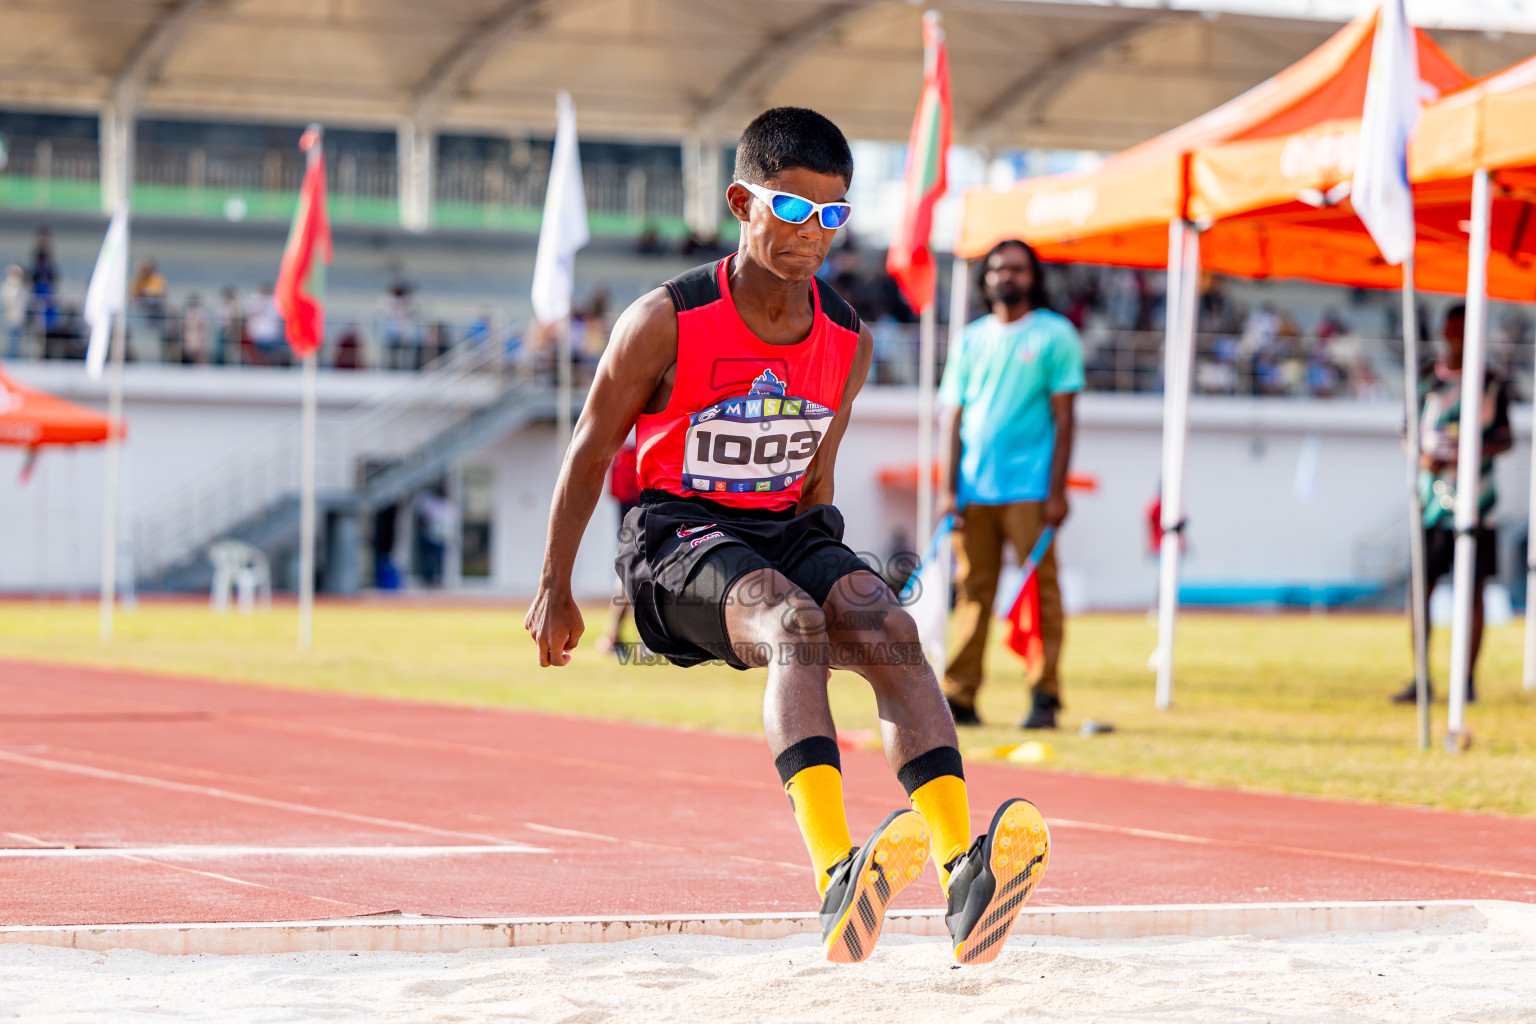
<point>1131,362</point>
<point>236,486</point>
<point>358,336</point>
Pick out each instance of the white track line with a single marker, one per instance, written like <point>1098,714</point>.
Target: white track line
<point>256,801</point>
<point>228,852</point>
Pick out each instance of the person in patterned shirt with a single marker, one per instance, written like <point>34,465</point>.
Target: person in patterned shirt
<point>1439,428</point>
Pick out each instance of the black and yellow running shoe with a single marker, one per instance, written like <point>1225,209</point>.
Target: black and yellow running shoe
<point>991,881</point>
<point>864,883</point>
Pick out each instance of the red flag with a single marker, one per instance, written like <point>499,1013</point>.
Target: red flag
<point>1024,636</point>
<point>909,260</point>
<point>300,292</point>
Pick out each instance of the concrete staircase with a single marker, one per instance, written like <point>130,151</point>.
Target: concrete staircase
<point>274,528</point>
<point>378,454</point>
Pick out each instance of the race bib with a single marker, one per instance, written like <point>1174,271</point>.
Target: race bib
<point>761,441</point>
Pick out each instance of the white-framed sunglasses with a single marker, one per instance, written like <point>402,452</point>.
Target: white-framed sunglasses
<point>794,209</point>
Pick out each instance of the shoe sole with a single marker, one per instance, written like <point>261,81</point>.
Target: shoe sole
<point>1018,852</point>
<point>896,854</point>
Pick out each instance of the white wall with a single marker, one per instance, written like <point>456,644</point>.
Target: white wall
<point>1248,521</point>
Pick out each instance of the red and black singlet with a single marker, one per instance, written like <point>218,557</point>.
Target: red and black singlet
<point>745,417</point>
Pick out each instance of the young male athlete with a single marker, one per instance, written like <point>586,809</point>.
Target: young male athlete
<point>739,377</point>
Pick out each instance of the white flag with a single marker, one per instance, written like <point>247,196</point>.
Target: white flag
<point>564,227</point>
<point>107,292</point>
<point>1382,198</point>
<point>926,596</point>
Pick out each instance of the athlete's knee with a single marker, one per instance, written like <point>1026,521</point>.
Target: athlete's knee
<point>774,621</point>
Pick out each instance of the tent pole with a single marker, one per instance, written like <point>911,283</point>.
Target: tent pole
<point>1469,457</point>
<point>1418,613</point>
<point>926,344</point>
<point>307,508</point>
<point>1178,360</point>
<point>1528,679</point>
<point>108,601</point>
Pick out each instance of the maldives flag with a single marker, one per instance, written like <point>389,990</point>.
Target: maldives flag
<point>300,291</point>
<point>909,260</point>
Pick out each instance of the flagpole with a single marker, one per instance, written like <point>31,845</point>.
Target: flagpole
<point>1416,596</point>
<point>563,386</point>
<point>1528,676</point>
<point>307,508</point>
<point>109,512</point>
<point>313,156</point>
<point>925,357</point>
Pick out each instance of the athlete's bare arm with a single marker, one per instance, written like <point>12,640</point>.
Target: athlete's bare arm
<point>817,489</point>
<point>634,376</point>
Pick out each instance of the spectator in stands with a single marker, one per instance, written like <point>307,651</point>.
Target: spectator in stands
<point>264,326</point>
<point>148,289</point>
<point>398,325</point>
<point>45,281</point>
<point>1440,388</point>
<point>196,332</point>
<point>349,350</point>
<point>13,308</point>
<point>649,241</point>
<point>230,327</point>
<point>1008,394</point>
<point>480,331</point>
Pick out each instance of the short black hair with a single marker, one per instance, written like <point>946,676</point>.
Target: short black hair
<point>1037,296</point>
<point>786,137</point>
<point>1457,312</point>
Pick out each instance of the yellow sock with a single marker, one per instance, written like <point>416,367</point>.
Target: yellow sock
<point>813,781</point>
<point>936,787</point>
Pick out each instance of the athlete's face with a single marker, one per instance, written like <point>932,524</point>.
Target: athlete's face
<point>793,252</point>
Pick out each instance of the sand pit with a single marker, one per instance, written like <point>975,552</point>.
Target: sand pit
<point>1439,973</point>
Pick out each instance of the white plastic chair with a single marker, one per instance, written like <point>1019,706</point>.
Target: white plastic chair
<point>239,568</point>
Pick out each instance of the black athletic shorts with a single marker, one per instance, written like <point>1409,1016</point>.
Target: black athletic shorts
<point>1440,553</point>
<point>679,557</point>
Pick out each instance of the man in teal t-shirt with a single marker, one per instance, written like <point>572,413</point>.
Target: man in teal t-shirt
<point>1007,394</point>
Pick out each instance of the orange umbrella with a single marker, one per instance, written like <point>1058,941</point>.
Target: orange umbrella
<point>34,418</point>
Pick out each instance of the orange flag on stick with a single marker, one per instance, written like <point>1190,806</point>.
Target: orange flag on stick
<point>1024,635</point>
<point>909,259</point>
<point>300,291</point>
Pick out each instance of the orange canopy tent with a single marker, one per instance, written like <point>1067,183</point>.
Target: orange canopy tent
<point>34,418</point>
<point>1273,142</point>
<point>1275,193</point>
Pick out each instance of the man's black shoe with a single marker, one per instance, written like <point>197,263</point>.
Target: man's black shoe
<point>1410,694</point>
<point>864,883</point>
<point>1042,712</point>
<point>965,714</point>
<point>990,881</point>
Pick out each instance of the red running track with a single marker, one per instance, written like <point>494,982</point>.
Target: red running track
<point>225,802</point>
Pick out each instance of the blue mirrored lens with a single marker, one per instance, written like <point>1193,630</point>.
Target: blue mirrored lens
<point>792,208</point>
<point>835,216</point>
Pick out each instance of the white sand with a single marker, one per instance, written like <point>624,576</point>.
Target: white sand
<point>1487,975</point>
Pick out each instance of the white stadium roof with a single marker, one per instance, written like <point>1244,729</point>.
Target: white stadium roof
<point>1072,74</point>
